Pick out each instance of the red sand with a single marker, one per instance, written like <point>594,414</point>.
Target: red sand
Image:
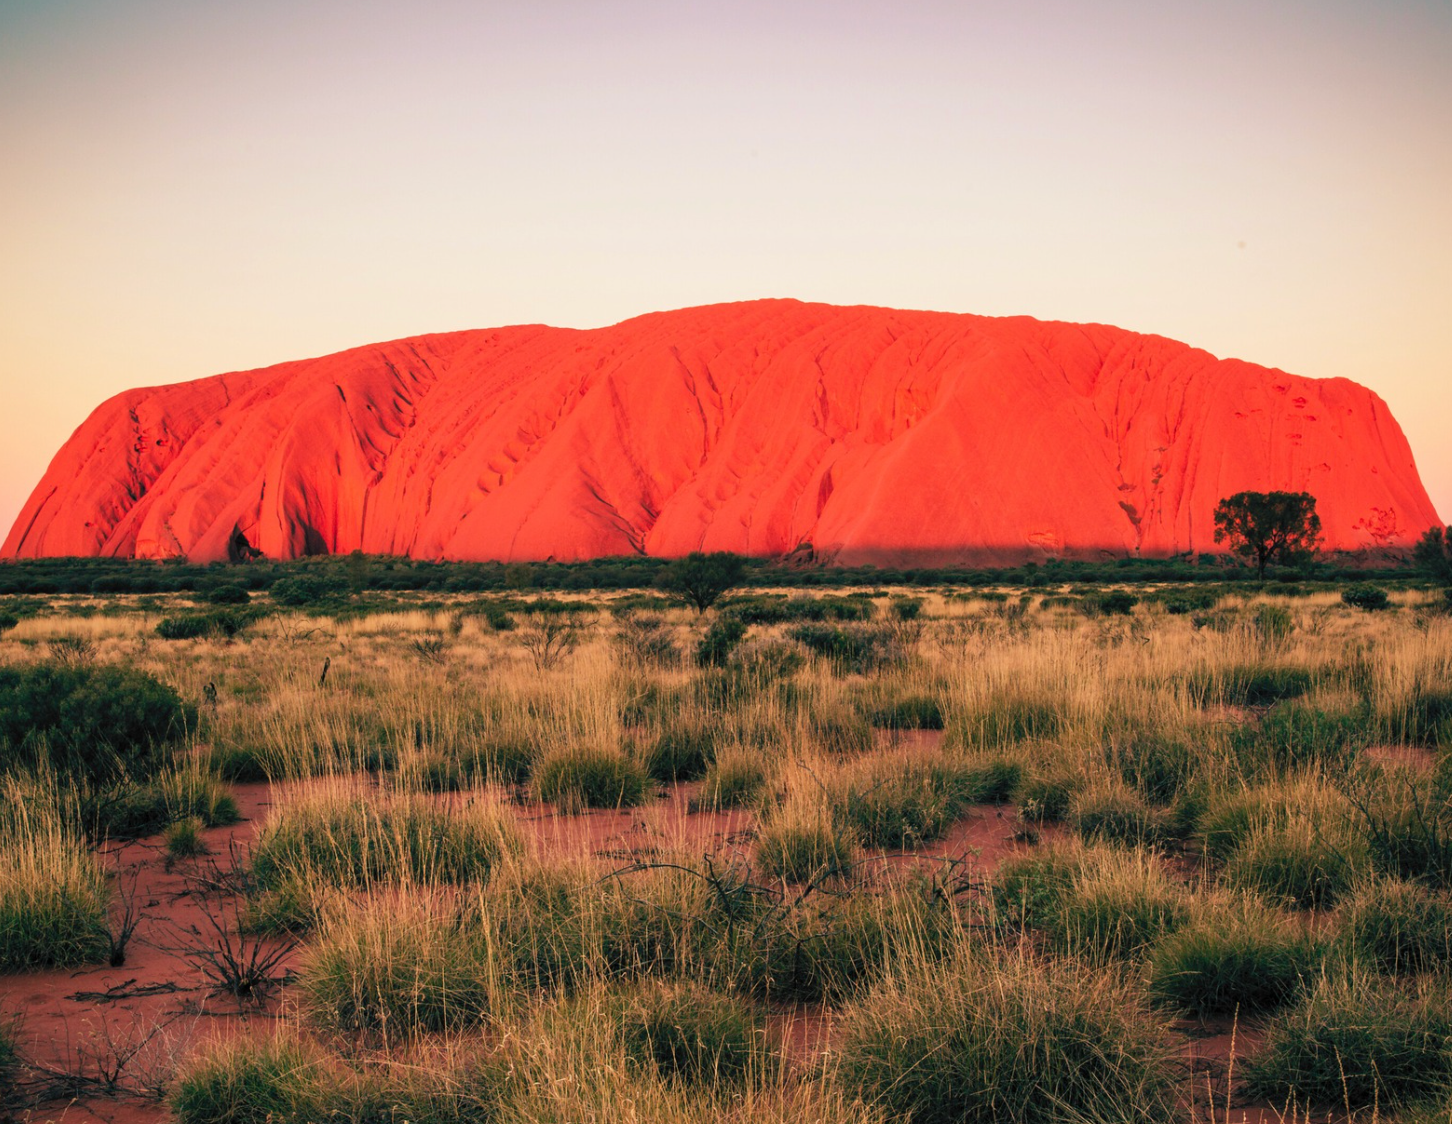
<point>864,434</point>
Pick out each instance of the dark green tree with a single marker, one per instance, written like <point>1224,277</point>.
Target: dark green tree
<point>702,578</point>
<point>1433,554</point>
<point>1269,527</point>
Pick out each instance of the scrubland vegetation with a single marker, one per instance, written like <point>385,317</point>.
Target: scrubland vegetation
<point>927,853</point>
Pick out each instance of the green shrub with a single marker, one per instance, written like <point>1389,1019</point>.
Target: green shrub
<point>1293,735</point>
<point>899,803</point>
<point>230,594</point>
<point>719,642</point>
<point>687,1031</point>
<point>1364,596</point>
<point>1355,1042</point>
<point>1012,1041</point>
<point>88,723</point>
<point>1398,926</point>
<point>858,649</point>
<point>1250,684</point>
<point>1406,820</point>
<point>1159,767</point>
<point>1116,602</point>
<point>7,622</point>
<point>1233,957</point>
<point>839,731</point>
<point>1007,719</point>
<point>282,1080</point>
<point>1273,624</point>
<point>53,892</point>
<point>1030,891</point>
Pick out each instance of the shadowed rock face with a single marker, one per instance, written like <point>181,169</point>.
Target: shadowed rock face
<point>874,435</point>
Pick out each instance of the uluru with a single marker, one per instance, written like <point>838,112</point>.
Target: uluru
<point>845,434</point>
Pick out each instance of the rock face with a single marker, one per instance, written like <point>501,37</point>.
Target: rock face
<point>867,434</point>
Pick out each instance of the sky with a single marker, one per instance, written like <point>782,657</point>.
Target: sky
<point>196,186</point>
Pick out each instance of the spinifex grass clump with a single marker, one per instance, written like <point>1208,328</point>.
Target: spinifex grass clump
<point>1355,1041</point>
<point>1257,684</point>
<point>689,1032</point>
<point>681,751</point>
<point>53,892</point>
<point>1399,926</point>
<point>589,776</point>
<point>976,1039</point>
<point>398,966</point>
<point>736,778</point>
<point>1109,811</point>
<point>801,841</point>
<point>353,837</point>
<point>1118,904</point>
<point>1232,955</point>
<point>1296,865</point>
<point>1406,818</point>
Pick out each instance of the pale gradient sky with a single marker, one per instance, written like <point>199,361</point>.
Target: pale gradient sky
<point>195,186</point>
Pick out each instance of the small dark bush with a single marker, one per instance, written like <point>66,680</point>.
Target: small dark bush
<point>307,589</point>
<point>720,641</point>
<point>1117,602</point>
<point>94,723</point>
<point>7,622</point>
<point>228,595</point>
<point>220,623</point>
<point>859,649</point>
<point>1364,596</point>
<point>906,712</point>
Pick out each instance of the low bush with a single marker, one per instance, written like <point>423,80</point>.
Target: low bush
<point>282,1080</point>
<point>1232,956</point>
<point>88,723</point>
<point>1116,602</point>
<point>1118,903</point>
<point>898,801</point>
<point>691,1033</point>
<point>1006,720</point>
<point>850,649</point>
<point>228,594</point>
<point>219,623</point>
<point>1293,735</point>
<point>1369,598</point>
<point>183,839</point>
<point>1354,1042</point>
<point>645,640</point>
<point>1398,926</point>
<point>1406,820</point>
<point>1015,1040</point>
<point>587,776</point>
<point>905,712</point>
<point>719,642</point>
<point>838,731</point>
<point>1250,684</point>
